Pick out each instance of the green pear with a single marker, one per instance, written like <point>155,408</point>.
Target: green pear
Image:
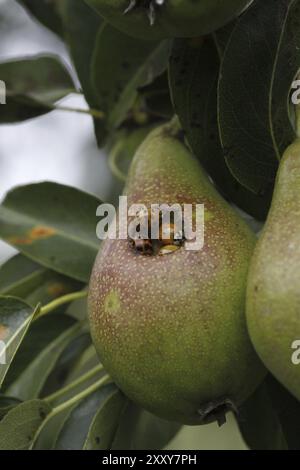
<point>158,19</point>
<point>171,330</point>
<point>273,294</point>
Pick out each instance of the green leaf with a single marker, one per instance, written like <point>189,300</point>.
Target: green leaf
<point>41,333</point>
<point>30,382</point>
<point>68,358</point>
<point>259,423</point>
<point>105,423</point>
<point>76,428</point>
<point>120,66</point>
<point>7,404</point>
<point>33,86</point>
<point>18,427</point>
<point>156,96</point>
<point>47,434</point>
<point>23,278</point>
<point>270,419</point>
<point>15,319</point>
<point>194,71</point>
<point>221,36</point>
<point>60,414</point>
<point>81,25</point>
<point>19,276</point>
<point>54,287</point>
<point>46,12</point>
<point>288,410</point>
<point>54,225</point>
<point>122,149</point>
<point>87,360</point>
<point>50,429</point>
<point>140,430</point>
<point>259,65</point>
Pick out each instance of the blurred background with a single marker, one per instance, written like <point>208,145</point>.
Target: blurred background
<point>60,146</point>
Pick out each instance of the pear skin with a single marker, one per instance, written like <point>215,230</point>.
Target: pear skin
<point>146,19</point>
<point>171,330</point>
<point>273,294</point>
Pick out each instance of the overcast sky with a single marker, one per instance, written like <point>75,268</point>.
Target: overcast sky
<point>59,146</point>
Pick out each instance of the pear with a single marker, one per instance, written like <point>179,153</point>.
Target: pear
<point>170,326</point>
<point>273,294</point>
<point>158,19</point>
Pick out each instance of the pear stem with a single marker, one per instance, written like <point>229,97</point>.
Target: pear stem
<point>61,301</point>
<point>113,162</point>
<point>80,396</point>
<point>91,112</point>
<point>83,378</point>
<point>68,404</point>
<point>174,125</point>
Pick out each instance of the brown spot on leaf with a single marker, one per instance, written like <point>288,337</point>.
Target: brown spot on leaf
<point>57,289</point>
<point>3,332</point>
<point>37,233</point>
<point>19,240</point>
<point>41,232</point>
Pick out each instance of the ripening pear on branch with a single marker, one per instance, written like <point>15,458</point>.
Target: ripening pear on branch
<point>273,297</point>
<point>170,326</point>
<point>158,19</point>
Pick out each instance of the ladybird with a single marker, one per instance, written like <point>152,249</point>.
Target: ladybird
<point>168,250</point>
<point>141,246</point>
<point>168,236</point>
